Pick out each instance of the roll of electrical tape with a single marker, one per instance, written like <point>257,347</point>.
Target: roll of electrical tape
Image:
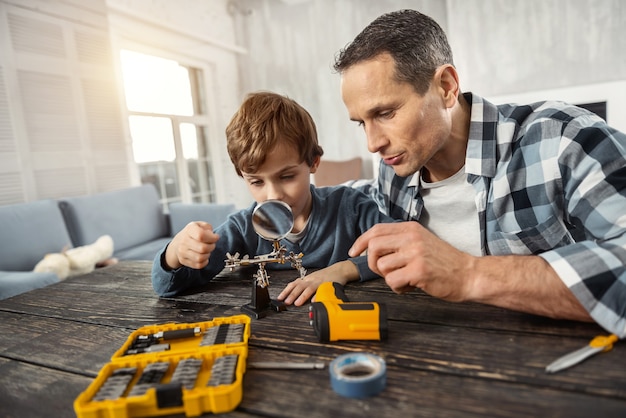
<point>358,375</point>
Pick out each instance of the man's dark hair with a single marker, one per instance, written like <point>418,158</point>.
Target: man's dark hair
<point>416,42</point>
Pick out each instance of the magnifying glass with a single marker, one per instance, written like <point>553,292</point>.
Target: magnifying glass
<point>272,220</point>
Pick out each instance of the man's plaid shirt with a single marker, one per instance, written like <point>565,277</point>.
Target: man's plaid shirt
<point>550,180</point>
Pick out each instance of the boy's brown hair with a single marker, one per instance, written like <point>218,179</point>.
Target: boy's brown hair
<point>265,120</point>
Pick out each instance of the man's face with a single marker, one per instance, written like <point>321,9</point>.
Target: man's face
<point>406,129</point>
<point>283,177</point>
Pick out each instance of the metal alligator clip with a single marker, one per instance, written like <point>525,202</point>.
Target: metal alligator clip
<point>599,344</point>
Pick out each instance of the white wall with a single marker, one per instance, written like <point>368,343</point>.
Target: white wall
<point>61,130</point>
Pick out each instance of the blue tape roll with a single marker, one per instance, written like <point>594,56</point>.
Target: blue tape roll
<point>358,375</point>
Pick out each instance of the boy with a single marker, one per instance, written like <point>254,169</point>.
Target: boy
<point>272,142</point>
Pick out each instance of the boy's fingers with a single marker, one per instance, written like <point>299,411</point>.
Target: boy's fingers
<point>207,235</point>
<point>304,297</point>
<point>204,225</point>
<point>285,291</point>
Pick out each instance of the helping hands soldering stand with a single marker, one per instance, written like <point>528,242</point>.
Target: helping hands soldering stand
<point>272,220</point>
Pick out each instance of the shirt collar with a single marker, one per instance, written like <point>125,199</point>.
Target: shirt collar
<point>480,157</point>
<point>415,179</point>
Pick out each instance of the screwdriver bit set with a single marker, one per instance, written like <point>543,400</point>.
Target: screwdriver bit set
<point>190,369</point>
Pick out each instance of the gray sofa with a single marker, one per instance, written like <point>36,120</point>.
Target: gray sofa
<point>133,217</point>
<point>29,231</point>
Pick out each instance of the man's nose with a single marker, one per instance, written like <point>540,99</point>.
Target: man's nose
<point>376,140</point>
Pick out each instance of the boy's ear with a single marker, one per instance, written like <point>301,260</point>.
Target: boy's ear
<point>316,163</point>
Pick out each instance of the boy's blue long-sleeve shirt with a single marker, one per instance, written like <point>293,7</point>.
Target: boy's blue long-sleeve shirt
<point>339,215</point>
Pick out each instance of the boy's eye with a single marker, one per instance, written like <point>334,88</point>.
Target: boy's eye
<point>256,182</point>
<point>287,177</point>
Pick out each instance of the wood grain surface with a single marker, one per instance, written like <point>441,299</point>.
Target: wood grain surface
<point>443,359</point>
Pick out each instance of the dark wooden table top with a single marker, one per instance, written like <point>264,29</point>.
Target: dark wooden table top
<point>443,359</point>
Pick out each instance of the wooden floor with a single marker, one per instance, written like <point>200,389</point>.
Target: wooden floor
<point>443,359</point>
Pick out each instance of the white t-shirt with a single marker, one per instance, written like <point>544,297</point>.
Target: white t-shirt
<point>450,212</point>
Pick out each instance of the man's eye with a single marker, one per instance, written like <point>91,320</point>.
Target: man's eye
<point>386,115</point>
<point>361,124</point>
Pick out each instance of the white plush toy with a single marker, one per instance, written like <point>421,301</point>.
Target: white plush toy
<point>79,260</point>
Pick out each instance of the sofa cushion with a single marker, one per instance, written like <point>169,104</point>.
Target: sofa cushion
<point>131,216</point>
<point>145,251</point>
<point>15,282</point>
<point>183,213</point>
<point>29,232</point>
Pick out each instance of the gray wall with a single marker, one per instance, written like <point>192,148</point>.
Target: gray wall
<point>500,47</point>
<point>504,46</point>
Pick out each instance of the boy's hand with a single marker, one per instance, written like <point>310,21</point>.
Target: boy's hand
<point>192,246</point>
<point>299,291</point>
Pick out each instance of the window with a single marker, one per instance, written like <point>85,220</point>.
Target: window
<point>168,126</point>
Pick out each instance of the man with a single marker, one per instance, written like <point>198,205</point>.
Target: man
<point>522,207</point>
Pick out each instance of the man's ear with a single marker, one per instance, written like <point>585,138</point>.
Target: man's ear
<point>447,80</point>
<point>316,164</point>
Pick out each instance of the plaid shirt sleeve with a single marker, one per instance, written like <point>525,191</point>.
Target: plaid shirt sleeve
<point>592,163</point>
<point>552,181</point>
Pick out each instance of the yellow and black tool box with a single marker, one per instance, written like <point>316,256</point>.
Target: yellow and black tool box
<point>166,369</point>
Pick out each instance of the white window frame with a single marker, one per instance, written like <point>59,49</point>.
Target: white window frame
<point>207,120</point>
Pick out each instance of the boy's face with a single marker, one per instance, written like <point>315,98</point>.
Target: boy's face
<point>284,177</point>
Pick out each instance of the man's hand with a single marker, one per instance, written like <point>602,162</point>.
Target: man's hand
<point>408,256</point>
<point>192,246</point>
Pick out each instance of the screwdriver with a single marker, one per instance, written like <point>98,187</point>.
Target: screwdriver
<point>285,365</point>
<point>599,344</point>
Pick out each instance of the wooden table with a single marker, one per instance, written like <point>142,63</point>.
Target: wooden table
<point>443,359</point>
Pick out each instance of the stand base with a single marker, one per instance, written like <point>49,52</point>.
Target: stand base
<point>258,313</point>
<point>261,303</point>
